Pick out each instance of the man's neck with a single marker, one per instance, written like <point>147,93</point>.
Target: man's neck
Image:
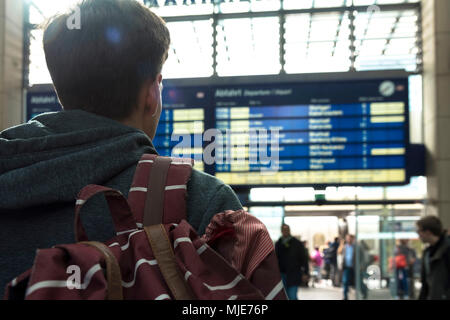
<point>133,121</point>
<point>434,240</point>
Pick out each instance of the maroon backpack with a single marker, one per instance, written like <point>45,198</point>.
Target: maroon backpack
<point>156,254</point>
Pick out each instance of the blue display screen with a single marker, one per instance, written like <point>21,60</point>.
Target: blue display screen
<point>306,134</point>
<point>337,133</point>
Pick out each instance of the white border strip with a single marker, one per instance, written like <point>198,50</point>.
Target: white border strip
<point>227,286</point>
<point>163,296</point>
<point>202,249</point>
<point>177,163</point>
<point>272,294</point>
<point>141,225</point>
<point>124,232</point>
<point>168,188</point>
<point>176,187</point>
<point>138,189</point>
<point>138,264</point>
<point>179,240</point>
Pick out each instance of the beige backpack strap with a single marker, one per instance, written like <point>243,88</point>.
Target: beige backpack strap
<point>113,274</point>
<point>154,204</point>
<point>164,254</point>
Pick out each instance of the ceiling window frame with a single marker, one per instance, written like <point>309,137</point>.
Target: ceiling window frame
<point>216,16</point>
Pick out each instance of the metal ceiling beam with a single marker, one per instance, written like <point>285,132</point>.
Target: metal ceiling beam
<point>240,15</point>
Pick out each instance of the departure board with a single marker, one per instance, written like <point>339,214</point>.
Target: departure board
<point>313,134</point>
<point>40,102</point>
<point>294,134</point>
<point>182,123</point>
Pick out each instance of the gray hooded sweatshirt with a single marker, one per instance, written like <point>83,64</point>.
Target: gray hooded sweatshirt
<point>47,161</point>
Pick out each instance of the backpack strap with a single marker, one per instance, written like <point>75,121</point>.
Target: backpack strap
<point>154,203</point>
<point>113,274</point>
<point>161,182</point>
<point>162,249</point>
<point>164,202</point>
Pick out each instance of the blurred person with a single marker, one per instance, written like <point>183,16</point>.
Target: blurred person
<point>107,76</point>
<point>348,252</point>
<point>404,260</point>
<point>412,259</point>
<point>365,259</point>
<point>292,260</point>
<point>342,228</point>
<point>331,256</point>
<point>413,270</point>
<point>348,249</point>
<point>340,261</point>
<point>326,261</point>
<point>307,265</point>
<point>317,262</point>
<point>435,271</point>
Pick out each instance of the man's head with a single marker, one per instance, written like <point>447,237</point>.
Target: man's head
<point>429,229</point>
<point>285,230</point>
<point>112,65</point>
<point>349,238</point>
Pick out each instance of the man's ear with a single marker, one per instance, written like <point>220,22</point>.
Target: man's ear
<point>153,96</point>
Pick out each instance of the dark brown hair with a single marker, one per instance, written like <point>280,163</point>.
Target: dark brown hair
<point>432,224</point>
<point>102,66</point>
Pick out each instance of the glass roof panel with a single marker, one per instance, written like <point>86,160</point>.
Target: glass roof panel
<point>248,46</point>
<point>314,42</point>
<point>189,8</point>
<point>191,51</point>
<point>317,42</point>
<point>44,9</point>
<point>386,40</point>
<point>38,66</point>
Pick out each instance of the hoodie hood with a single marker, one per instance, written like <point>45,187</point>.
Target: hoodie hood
<point>52,157</point>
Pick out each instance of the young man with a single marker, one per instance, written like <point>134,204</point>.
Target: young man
<point>350,265</point>
<point>108,78</point>
<point>292,260</point>
<point>404,263</point>
<point>435,274</point>
<point>348,277</point>
<point>334,271</point>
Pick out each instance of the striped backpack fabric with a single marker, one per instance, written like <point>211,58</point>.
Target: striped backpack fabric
<point>156,254</point>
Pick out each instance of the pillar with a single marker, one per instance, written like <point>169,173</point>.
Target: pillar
<point>436,78</point>
<point>11,63</point>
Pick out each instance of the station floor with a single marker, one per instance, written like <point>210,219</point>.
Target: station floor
<point>325,291</point>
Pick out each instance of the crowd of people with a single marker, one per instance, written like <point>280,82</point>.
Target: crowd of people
<point>344,262</point>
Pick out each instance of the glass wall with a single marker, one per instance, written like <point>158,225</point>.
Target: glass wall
<point>379,230</point>
<point>381,236</point>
